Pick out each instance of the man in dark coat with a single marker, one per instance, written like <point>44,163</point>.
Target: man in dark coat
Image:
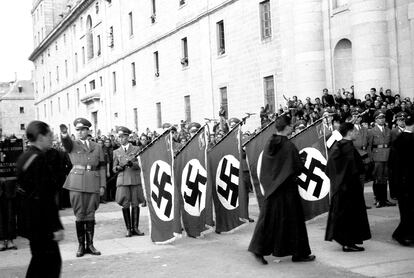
<point>39,214</point>
<point>347,220</point>
<point>281,228</point>
<point>401,156</point>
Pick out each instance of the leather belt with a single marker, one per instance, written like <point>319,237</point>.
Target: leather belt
<point>85,167</point>
<point>383,146</point>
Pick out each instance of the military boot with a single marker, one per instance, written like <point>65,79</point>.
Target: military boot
<point>127,218</point>
<point>80,232</point>
<point>135,222</point>
<point>90,230</point>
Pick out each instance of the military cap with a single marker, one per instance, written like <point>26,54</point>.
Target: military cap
<point>379,114</point>
<point>233,121</point>
<point>401,116</point>
<point>121,130</point>
<point>80,123</point>
<point>166,125</point>
<point>193,127</point>
<point>356,111</point>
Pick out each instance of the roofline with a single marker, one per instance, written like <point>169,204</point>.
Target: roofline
<point>60,27</point>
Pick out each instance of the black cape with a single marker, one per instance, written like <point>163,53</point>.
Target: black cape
<point>280,229</point>
<point>401,162</point>
<point>280,161</point>
<point>347,218</point>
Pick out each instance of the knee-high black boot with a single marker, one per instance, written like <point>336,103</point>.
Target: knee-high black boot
<point>135,222</point>
<point>127,218</point>
<point>90,230</point>
<point>80,232</point>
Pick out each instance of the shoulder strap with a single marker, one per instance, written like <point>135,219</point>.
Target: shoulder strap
<point>29,162</point>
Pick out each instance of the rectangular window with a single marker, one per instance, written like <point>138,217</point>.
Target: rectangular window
<point>184,50</point>
<point>154,11</point>
<point>21,109</point>
<point>59,104</point>
<point>98,40</point>
<point>76,62</point>
<point>44,109</point>
<point>67,100</point>
<point>133,76</point>
<point>156,64</point>
<point>221,46</point>
<point>22,127</point>
<point>223,101</point>
<point>84,89</point>
<point>78,96</point>
<point>57,74</point>
<point>265,20</point>
<point>131,24</point>
<point>111,37</point>
<point>66,68</point>
<point>269,92</point>
<point>92,85</point>
<point>136,119</point>
<point>50,80</point>
<point>83,55</point>
<point>100,81</point>
<point>43,84</point>
<point>51,108</point>
<point>159,119</point>
<point>116,115</point>
<point>114,82</point>
<point>187,109</point>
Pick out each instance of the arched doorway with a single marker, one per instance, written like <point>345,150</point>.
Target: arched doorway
<point>343,64</point>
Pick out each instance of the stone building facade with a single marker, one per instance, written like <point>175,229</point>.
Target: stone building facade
<point>143,63</point>
<point>17,108</point>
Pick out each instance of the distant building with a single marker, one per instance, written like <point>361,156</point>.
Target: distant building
<point>17,108</point>
<point>143,63</point>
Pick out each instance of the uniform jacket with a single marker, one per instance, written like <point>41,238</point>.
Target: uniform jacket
<point>131,175</point>
<point>361,141</point>
<point>84,180</point>
<point>39,214</point>
<point>377,137</point>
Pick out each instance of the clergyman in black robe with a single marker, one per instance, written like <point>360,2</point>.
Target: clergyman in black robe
<point>281,229</point>
<point>347,219</point>
<point>401,161</point>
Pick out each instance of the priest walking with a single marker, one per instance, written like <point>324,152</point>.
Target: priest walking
<point>281,228</point>
<point>347,220</point>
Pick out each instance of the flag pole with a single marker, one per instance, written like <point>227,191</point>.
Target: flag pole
<point>191,139</point>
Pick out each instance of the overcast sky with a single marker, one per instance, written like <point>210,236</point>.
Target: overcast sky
<point>16,39</point>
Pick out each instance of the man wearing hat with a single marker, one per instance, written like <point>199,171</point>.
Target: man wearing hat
<point>378,150</point>
<point>128,184</point>
<point>193,128</point>
<point>233,122</point>
<point>86,182</point>
<point>395,133</point>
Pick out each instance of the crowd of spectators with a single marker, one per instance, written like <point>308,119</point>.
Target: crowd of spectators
<point>341,106</point>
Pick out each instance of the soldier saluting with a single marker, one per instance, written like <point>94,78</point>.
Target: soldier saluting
<point>128,184</point>
<point>86,182</point>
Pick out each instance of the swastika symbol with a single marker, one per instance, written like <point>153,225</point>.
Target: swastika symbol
<point>193,185</point>
<point>231,187</point>
<point>313,183</point>
<point>162,193</point>
<point>311,176</point>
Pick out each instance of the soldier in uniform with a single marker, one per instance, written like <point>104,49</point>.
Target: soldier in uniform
<point>395,132</point>
<point>233,122</point>
<point>86,182</point>
<point>128,184</point>
<point>378,150</point>
<point>193,128</point>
